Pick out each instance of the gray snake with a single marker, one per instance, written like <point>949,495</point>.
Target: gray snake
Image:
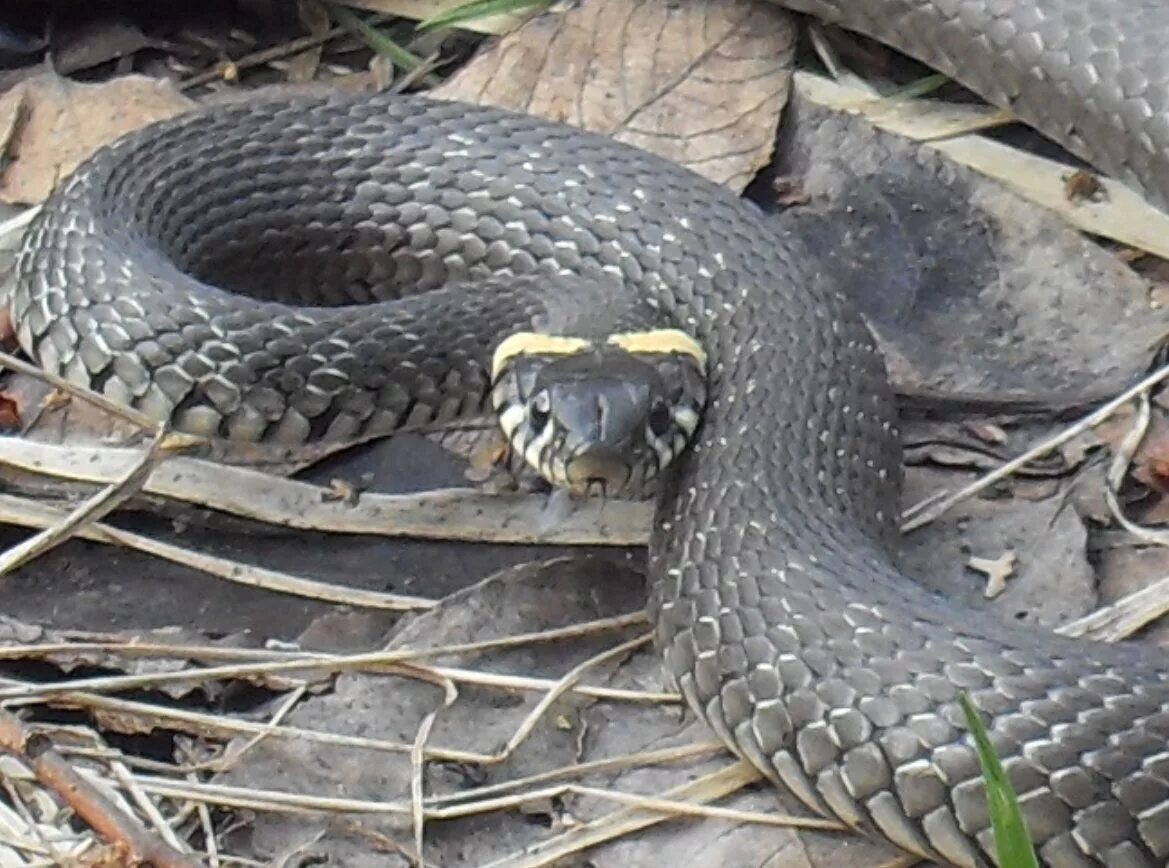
<point>786,623</point>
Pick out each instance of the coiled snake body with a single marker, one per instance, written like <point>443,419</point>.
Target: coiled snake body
<point>785,622</point>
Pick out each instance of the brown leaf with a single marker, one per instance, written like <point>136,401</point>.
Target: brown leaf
<point>9,414</point>
<point>1150,464</point>
<point>66,122</point>
<point>314,16</point>
<point>96,42</point>
<point>700,83</point>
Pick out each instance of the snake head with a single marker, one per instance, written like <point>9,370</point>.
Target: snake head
<point>599,415</point>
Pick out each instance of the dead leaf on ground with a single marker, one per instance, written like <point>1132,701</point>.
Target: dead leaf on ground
<point>699,83</point>
<point>9,414</point>
<point>303,67</point>
<point>65,122</point>
<point>1150,462</point>
<point>97,42</point>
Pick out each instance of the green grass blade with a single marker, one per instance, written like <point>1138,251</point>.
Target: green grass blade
<point>375,39</point>
<point>1011,840</point>
<point>477,9</point>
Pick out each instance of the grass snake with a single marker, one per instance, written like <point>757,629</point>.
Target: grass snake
<point>785,621</point>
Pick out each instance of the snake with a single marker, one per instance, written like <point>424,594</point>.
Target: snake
<point>298,268</point>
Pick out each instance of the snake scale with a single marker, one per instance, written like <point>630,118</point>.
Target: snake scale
<point>785,621</point>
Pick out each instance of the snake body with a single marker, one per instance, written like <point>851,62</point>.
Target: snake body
<point>782,616</point>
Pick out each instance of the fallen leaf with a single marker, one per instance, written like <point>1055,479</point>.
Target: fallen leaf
<point>314,16</point>
<point>1150,462</point>
<point>65,122</point>
<point>97,42</point>
<point>9,414</point>
<point>699,83</point>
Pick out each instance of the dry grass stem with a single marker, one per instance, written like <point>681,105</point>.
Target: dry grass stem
<point>86,798</point>
<point>275,52</point>
<point>643,759</point>
<point>568,681</point>
<point>162,446</point>
<point>627,819</point>
<point>917,517</point>
<point>31,513</point>
<point>449,514</point>
<point>205,725</point>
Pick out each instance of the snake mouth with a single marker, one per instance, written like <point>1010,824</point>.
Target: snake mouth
<point>596,468</point>
<point>605,415</point>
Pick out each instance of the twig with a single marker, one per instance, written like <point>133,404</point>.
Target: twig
<point>230,758</point>
<point>675,807</point>
<point>1125,617</point>
<point>129,414</point>
<point>464,514</point>
<point>562,686</point>
<point>627,820</point>
<point>418,782</point>
<point>275,52</point>
<point>577,770</point>
<point>1134,611</point>
<point>32,513</point>
<point>920,517</point>
<point>136,649</point>
<point>1121,459</point>
<point>367,661</point>
<point>162,446</point>
<point>114,826</point>
<point>126,779</point>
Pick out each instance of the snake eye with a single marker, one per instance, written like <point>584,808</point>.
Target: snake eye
<point>660,419</point>
<point>541,408</point>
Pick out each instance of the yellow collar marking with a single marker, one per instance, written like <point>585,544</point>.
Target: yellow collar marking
<point>534,344</point>
<point>660,341</point>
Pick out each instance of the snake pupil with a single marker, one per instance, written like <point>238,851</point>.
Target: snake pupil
<point>660,419</point>
<point>541,408</point>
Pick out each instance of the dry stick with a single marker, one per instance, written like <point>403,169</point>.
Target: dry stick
<point>674,807</point>
<point>1129,614</point>
<point>31,513</point>
<point>114,826</point>
<point>916,517</point>
<point>418,782</point>
<point>209,725</point>
<point>385,662</point>
<point>227,762</point>
<point>566,683</point>
<point>1132,612</point>
<point>125,778</point>
<point>136,649</point>
<point>134,417</point>
<point>249,798</point>
<point>626,820</point>
<point>208,830</point>
<point>277,52</point>
<point>162,446</point>
<point>610,764</point>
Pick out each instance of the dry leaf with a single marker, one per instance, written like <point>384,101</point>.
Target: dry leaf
<point>9,414</point>
<point>1150,462</point>
<point>65,122</point>
<point>314,16</point>
<point>700,83</point>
